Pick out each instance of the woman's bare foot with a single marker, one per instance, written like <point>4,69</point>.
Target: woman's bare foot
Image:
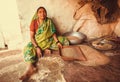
<point>47,51</point>
<point>28,73</point>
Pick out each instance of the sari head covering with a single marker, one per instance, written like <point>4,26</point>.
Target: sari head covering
<point>36,16</point>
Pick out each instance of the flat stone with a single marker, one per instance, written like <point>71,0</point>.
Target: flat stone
<point>94,57</point>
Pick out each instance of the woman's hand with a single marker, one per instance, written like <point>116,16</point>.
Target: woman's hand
<point>39,52</point>
<point>57,41</point>
<point>59,45</point>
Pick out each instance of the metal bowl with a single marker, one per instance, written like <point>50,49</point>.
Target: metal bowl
<point>75,37</point>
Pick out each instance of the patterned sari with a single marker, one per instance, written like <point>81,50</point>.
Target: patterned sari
<point>44,39</point>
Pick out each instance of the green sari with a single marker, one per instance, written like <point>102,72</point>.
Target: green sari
<point>44,39</point>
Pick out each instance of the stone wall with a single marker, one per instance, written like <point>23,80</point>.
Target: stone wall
<point>87,23</point>
<point>68,15</point>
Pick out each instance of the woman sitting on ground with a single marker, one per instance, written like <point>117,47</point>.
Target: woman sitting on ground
<point>43,39</point>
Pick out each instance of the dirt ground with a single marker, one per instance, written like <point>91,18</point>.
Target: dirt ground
<point>11,62</point>
<point>106,73</point>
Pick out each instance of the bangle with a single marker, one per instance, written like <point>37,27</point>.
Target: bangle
<point>36,46</point>
<point>57,42</point>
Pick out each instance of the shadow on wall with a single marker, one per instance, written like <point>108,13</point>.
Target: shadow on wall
<point>106,11</point>
<point>3,44</point>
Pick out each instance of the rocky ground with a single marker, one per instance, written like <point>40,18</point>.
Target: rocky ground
<point>12,67</point>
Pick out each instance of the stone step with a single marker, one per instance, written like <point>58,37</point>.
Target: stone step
<point>9,53</point>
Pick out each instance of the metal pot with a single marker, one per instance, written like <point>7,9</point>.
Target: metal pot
<point>75,37</point>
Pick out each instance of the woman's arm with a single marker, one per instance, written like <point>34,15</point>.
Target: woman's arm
<point>38,50</point>
<point>32,36</point>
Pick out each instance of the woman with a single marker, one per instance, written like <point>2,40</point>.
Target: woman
<point>43,38</point>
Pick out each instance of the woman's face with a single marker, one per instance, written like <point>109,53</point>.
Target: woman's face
<point>41,14</point>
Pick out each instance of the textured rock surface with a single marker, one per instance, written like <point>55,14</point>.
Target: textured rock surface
<point>117,31</point>
<point>88,24</point>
